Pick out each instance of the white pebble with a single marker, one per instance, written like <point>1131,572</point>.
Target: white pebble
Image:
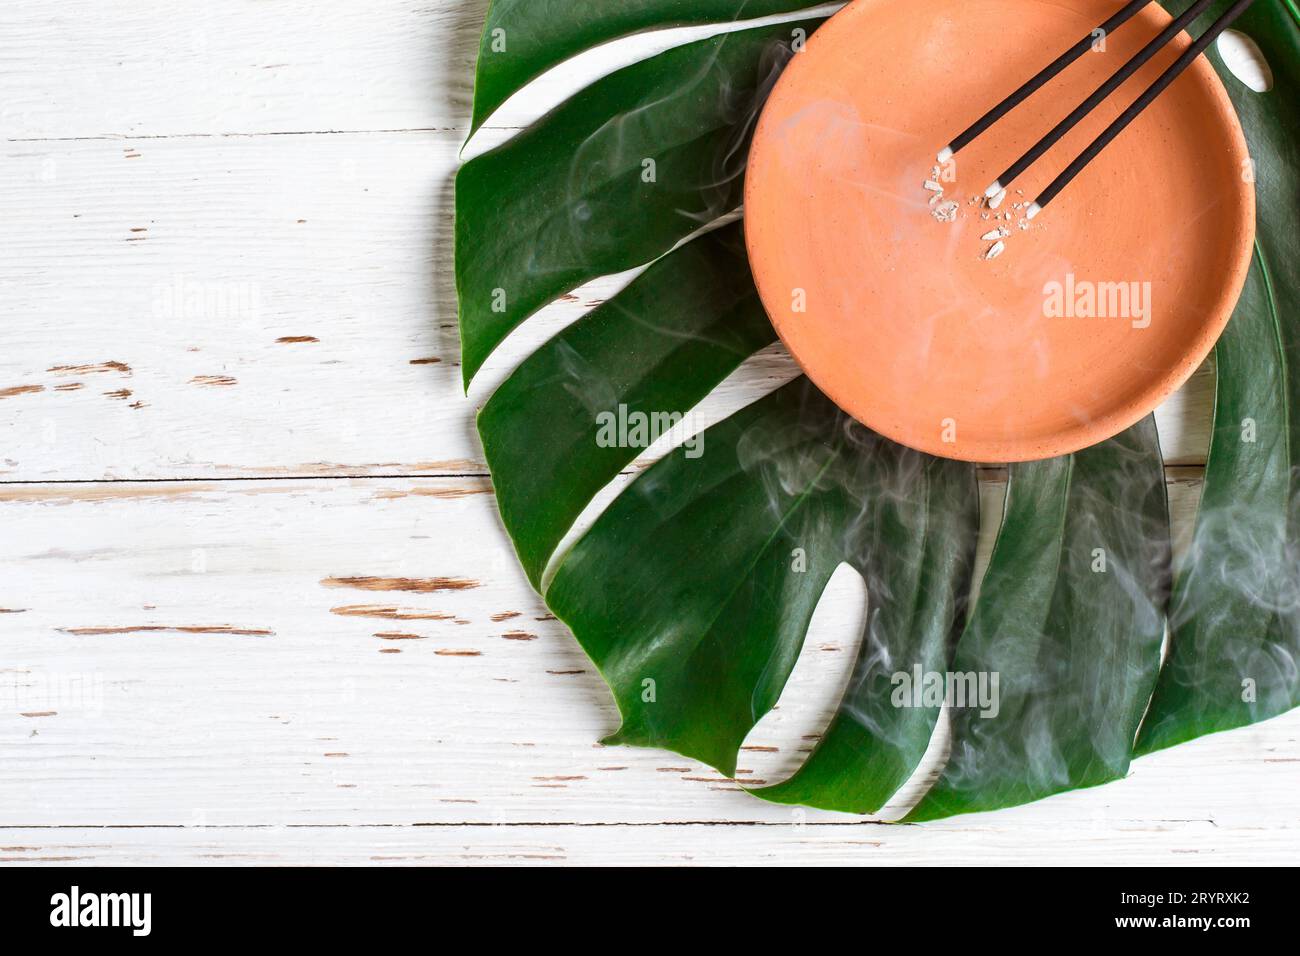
<point>995,250</point>
<point>931,185</point>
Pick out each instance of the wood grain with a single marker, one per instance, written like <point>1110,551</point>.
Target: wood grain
<point>1087,841</point>
<point>83,69</point>
<point>79,68</point>
<point>303,652</point>
<point>255,601</point>
<point>269,306</point>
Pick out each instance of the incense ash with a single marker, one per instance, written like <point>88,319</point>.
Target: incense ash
<point>946,210</point>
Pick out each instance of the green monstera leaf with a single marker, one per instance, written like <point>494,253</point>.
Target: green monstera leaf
<point>664,343</point>
<point>1235,642</point>
<point>1070,620</point>
<point>710,570</point>
<point>522,39</point>
<point>611,179</point>
<point>693,591</point>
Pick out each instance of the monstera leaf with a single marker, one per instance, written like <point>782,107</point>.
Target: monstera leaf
<point>709,572</point>
<point>1235,642</point>
<point>522,39</point>
<point>1071,618</point>
<point>610,180</point>
<point>692,592</point>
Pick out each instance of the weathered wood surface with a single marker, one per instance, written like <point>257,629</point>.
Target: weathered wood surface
<point>354,652</point>
<point>267,306</point>
<point>256,602</point>
<point>1078,840</point>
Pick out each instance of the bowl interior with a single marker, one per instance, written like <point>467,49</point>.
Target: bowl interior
<point>1092,314</point>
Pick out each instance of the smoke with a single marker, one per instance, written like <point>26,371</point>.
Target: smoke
<point>688,140</point>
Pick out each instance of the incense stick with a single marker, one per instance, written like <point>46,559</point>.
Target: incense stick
<point>1138,60</point>
<point>1138,105</point>
<point>1039,79</point>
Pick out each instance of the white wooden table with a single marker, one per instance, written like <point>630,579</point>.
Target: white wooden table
<point>257,604</point>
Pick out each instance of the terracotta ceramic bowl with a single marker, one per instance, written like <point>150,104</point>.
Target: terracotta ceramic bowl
<point>1089,318</point>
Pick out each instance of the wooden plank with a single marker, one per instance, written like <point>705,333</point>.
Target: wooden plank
<point>348,652</point>
<point>268,306</point>
<point>153,68</point>
<point>161,69</point>
<point>1084,843</point>
<point>285,670</point>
